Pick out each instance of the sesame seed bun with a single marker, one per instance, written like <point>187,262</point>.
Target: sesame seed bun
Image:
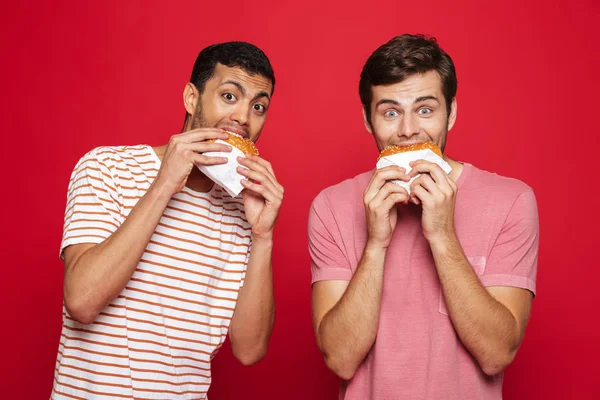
<point>395,149</point>
<point>245,145</point>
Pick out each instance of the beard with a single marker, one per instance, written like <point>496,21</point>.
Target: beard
<point>199,120</point>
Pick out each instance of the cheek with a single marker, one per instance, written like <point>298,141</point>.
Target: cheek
<point>207,106</point>
<point>256,122</point>
<point>384,129</point>
<point>383,134</point>
<point>218,111</point>
<point>434,126</point>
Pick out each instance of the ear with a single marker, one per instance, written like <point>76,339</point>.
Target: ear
<point>367,123</point>
<point>191,97</point>
<point>452,116</point>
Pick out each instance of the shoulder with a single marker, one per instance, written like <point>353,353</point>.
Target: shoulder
<point>346,191</point>
<point>502,188</point>
<point>140,154</point>
<point>116,160</point>
<point>342,201</point>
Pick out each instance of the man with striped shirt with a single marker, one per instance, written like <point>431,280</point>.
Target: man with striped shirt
<point>160,262</point>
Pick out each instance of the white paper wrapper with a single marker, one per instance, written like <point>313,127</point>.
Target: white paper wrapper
<point>225,175</point>
<point>403,159</point>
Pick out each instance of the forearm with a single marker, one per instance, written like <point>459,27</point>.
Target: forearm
<point>252,322</point>
<point>347,332</point>
<point>485,326</point>
<point>100,273</point>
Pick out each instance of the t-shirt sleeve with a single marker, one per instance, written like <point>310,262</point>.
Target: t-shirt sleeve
<point>328,260</point>
<point>514,256</point>
<point>93,210</point>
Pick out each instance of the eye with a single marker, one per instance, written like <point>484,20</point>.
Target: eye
<point>424,111</point>
<point>260,108</point>
<point>391,113</point>
<point>229,97</point>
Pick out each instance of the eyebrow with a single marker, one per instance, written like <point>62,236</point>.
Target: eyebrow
<point>242,89</point>
<point>425,98</point>
<point>387,101</point>
<point>395,103</point>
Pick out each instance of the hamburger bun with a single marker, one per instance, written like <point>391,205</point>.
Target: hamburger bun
<point>246,146</point>
<point>395,149</point>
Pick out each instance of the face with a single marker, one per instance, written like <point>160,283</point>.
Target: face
<point>232,100</point>
<point>410,112</point>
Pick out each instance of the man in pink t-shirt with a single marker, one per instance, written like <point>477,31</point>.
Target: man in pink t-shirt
<point>423,295</point>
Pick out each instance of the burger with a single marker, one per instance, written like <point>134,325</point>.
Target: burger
<point>246,146</point>
<point>395,149</point>
<point>402,156</point>
<point>226,175</point>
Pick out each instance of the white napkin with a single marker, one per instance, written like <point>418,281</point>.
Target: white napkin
<point>403,159</point>
<point>225,175</point>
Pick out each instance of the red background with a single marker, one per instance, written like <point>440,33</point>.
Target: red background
<point>77,75</point>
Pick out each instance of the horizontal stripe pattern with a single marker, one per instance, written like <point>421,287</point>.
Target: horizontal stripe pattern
<point>157,338</point>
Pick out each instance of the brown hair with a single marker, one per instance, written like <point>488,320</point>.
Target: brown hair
<point>402,57</point>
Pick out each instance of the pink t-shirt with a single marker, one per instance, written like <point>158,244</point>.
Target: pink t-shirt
<point>417,353</point>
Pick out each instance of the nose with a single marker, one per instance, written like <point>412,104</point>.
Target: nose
<point>240,114</point>
<point>409,126</point>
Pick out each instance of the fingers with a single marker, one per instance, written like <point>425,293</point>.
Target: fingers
<point>433,184</point>
<point>380,177</point>
<point>266,191</point>
<point>199,135</point>
<point>262,180</point>
<point>188,145</point>
<point>201,159</point>
<point>422,188</point>
<point>420,194</point>
<point>435,171</point>
<point>259,165</point>
<point>207,147</point>
<point>425,181</point>
<point>262,162</point>
<point>195,152</point>
<point>393,199</point>
<point>389,195</point>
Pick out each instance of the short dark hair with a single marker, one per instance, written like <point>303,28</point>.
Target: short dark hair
<point>231,54</point>
<point>401,57</point>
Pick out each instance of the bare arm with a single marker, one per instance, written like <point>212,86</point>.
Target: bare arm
<point>96,273</point>
<point>254,316</point>
<point>490,323</point>
<point>346,315</point>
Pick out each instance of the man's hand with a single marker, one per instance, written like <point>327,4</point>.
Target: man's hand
<point>437,193</point>
<point>184,151</point>
<point>262,195</point>
<point>381,197</point>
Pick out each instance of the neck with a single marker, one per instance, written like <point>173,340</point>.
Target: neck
<point>199,182</point>
<point>457,168</point>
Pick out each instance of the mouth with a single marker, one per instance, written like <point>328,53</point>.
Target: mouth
<point>409,143</point>
<point>235,131</point>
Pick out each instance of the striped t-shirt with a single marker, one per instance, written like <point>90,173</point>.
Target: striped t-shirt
<point>157,338</point>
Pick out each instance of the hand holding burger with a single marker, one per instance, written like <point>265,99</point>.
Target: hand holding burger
<point>404,155</point>
<point>226,175</point>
